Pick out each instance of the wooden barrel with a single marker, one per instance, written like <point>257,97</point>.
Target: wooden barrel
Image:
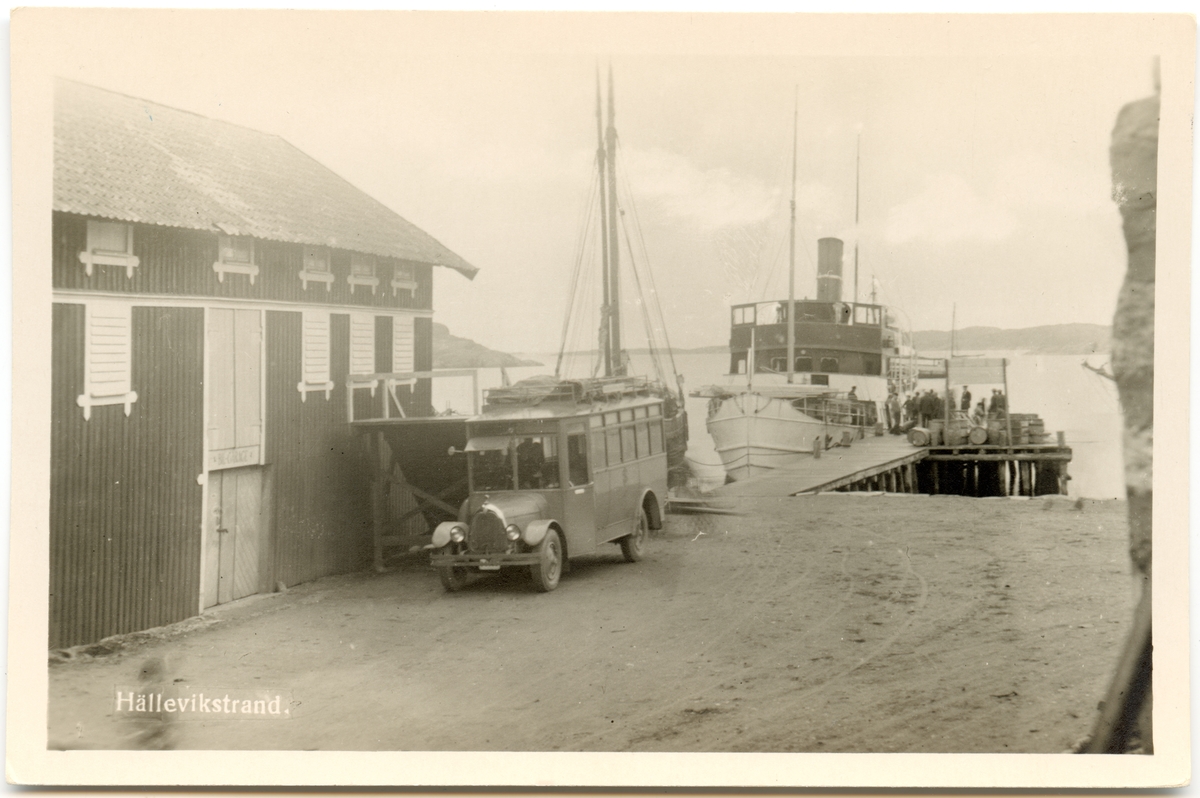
<point>919,436</point>
<point>937,428</point>
<point>978,435</point>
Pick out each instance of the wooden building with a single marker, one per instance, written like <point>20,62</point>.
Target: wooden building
<point>214,291</point>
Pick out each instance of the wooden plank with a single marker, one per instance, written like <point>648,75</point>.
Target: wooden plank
<point>434,500</point>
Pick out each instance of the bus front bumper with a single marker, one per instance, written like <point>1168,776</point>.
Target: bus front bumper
<point>485,562</point>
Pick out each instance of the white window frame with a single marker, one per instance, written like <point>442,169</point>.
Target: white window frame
<point>403,279</point>
<point>314,354</point>
<point>107,357</point>
<point>223,267</point>
<point>94,256</point>
<point>369,278</point>
<point>308,274</point>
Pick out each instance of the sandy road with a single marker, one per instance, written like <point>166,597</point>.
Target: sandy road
<point>830,623</point>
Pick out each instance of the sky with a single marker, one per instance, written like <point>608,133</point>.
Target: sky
<point>984,182</point>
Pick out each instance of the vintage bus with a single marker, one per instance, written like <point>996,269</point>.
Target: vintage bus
<point>557,469</point>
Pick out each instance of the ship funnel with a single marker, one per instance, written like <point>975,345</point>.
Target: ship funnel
<point>829,270</point>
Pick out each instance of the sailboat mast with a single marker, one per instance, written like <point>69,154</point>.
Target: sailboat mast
<point>789,316</point>
<point>605,321</point>
<point>614,293</point>
<point>857,161</point>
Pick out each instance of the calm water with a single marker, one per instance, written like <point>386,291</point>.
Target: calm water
<point>1056,387</point>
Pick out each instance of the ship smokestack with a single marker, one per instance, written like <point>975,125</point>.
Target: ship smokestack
<point>829,270</point>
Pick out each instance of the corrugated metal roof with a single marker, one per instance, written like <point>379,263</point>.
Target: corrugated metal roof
<point>119,157</point>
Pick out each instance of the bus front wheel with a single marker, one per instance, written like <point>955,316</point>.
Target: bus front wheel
<point>453,579</point>
<point>548,569</point>
<point>633,546</point>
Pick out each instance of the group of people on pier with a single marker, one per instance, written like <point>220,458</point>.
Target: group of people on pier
<point>919,408</point>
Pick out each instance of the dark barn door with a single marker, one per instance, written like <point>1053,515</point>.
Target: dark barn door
<point>235,545</point>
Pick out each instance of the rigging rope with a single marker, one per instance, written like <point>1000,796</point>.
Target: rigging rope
<point>657,306</point>
<point>589,207</point>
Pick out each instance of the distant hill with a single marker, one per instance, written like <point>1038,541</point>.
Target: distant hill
<point>1051,339</point>
<point>452,352</point>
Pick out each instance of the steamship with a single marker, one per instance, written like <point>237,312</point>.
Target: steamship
<point>825,384</point>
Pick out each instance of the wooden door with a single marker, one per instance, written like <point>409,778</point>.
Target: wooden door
<point>234,419</point>
<point>235,544</point>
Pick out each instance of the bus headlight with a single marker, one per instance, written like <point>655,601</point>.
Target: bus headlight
<point>513,531</point>
<point>446,532</point>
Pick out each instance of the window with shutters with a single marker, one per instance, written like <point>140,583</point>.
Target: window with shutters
<point>362,272</point>
<point>107,357</point>
<point>314,365</point>
<point>403,279</point>
<point>316,267</point>
<point>109,244</point>
<point>402,344</point>
<point>235,255</point>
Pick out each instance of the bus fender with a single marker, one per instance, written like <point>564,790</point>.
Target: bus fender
<point>653,510</point>
<point>441,535</point>
<point>535,532</point>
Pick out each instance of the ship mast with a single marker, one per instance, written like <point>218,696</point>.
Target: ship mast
<point>789,316</point>
<point>605,309</point>
<point>617,361</point>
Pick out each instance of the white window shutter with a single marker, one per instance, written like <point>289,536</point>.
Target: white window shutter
<point>107,359</point>
<point>315,357</point>
<point>402,344</point>
<point>362,343</point>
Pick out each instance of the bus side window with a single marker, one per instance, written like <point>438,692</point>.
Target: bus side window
<point>656,437</point>
<point>598,460</point>
<point>577,465</point>
<point>643,440</point>
<point>613,439</point>
<point>628,452</point>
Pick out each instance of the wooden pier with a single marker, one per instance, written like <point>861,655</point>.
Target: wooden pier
<point>892,464</point>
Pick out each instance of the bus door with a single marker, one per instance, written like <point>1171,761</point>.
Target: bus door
<point>579,492</point>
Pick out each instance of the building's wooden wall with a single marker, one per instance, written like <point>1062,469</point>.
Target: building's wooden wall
<point>125,506</point>
<point>176,262</point>
<point>322,477</point>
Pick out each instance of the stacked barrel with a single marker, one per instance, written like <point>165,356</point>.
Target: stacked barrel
<point>1027,428</point>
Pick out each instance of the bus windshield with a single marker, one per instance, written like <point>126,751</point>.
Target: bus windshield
<point>531,465</point>
<point>491,470</point>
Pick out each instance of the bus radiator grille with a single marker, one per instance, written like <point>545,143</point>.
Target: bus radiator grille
<point>487,534</point>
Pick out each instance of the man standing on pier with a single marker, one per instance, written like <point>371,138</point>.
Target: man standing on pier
<point>965,405</point>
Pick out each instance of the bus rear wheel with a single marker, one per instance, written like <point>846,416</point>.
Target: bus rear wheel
<point>548,569</point>
<point>453,579</point>
<point>633,546</point>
